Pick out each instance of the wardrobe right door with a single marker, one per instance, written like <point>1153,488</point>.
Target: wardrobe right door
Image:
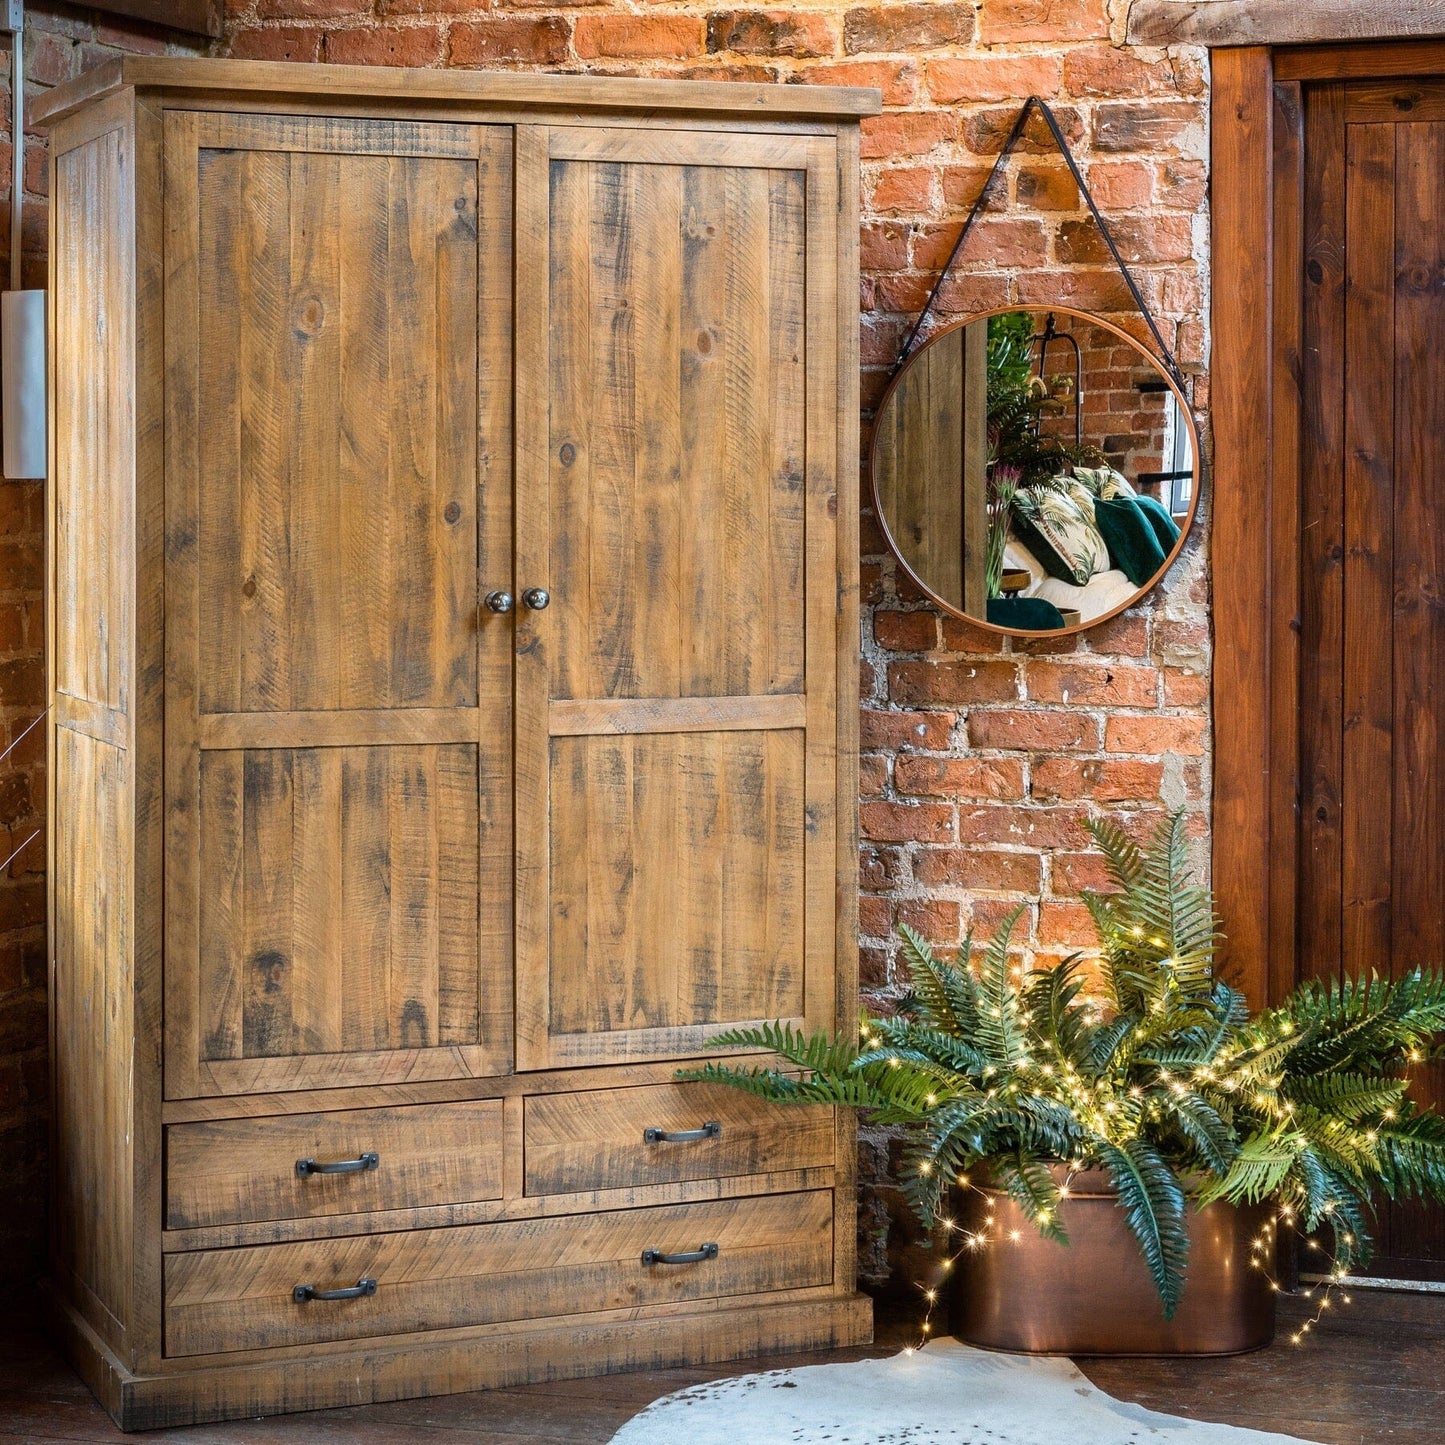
<point>676,744</point>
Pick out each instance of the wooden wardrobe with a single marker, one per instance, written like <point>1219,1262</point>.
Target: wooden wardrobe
<point>452,635</point>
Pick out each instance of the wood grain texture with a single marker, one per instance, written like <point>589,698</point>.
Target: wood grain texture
<point>676,882</point>
<point>437,1279</point>
<point>594,1140</point>
<point>1242,102</point>
<point>1277,22</point>
<point>312,84</point>
<point>237,1171</point>
<point>195,17</point>
<point>91,784</point>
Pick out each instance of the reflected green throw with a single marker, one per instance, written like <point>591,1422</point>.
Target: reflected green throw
<point>1024,614</point>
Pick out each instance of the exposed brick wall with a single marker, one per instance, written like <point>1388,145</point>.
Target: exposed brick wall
<point>62,41</point>
<point>981,758</point>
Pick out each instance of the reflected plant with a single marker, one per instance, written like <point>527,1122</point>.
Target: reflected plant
<point>1003,487</point>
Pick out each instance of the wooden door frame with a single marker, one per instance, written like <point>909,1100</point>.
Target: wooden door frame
<point>1257,241</point>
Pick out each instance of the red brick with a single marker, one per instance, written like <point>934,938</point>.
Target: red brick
<point>904,188</point>
<point>1185,689</point>
<point>927,731</point>
<point>992,77</point>
<point>937,919</point>
<point>986,130</point>
<point>1100,290</point>
<point>1121,185</point>
<point>1126,635</point>
<point>1074,873</point>
<point>905,132</point>
<point>431,7</point>
<point>1000,823</point>
<point>897,79</point>
<point>1104,780</point>
<point>1140,238</point>
<point>510,37</point>
<point>49,59</point>
<point>880,869</point>
<point>1182,183</point>
<point>978,868</point>
<point>872,969</point>
<point>771,32</point>
<point>1156,736</point>
<point>1001,778</point>
<point>906,27</point>
<point>962,186</point>
<point>962,636</point>
<point>875,917</point>
<point>1132,125</point>
<point>1106,70</point>
<point>872,775</point>
<point>952,683</point>
<point>907,823</point>
<point>1051,189</point>
<point>412,45</point>
<point>311,9</point>
<point>1068,923</point>
<point>1005,22</point>
<point>883,246</point>
<point>989,915</point>
<point>291,42</point>
<point>906,631</point>
<point>643,37</point>
<point>1029,730</point>
<point>1093,684</point>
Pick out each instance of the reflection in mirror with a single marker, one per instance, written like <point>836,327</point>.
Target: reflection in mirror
<point>1035,469</point>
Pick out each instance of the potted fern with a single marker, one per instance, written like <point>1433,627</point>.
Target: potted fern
<point>1135,1108</point>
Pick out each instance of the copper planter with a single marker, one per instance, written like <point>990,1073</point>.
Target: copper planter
<point>1094,1296</point>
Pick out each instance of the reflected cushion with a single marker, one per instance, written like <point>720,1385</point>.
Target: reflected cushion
<point>1130,535</point>
<point>1053,528</point>
<point>1166,529</point>
<point>1026,614</point>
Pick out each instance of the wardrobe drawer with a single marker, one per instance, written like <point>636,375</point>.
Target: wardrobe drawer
<point>235,1171</point>
<point>602,1139</point>
<point>242,1299</point>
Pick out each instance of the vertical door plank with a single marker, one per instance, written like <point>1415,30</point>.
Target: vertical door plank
<point>315,640</point>
<point>267,380</point>
<point>412,1011</point>
<point>268,1024</point>
<point>369,506</point>
<point>1366,834</point>
<point>473,984</point>
<point>1322,534</point>
<point>1419,801</point>
<point>318,927</point>
<point>366,893</point>
<point>700,829</point>
<point>785,377</point>
<point>223,908</point>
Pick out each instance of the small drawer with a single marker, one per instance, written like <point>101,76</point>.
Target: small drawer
<point>427,1279</point>
<point>236,1171</point>
<point>613,1138</point>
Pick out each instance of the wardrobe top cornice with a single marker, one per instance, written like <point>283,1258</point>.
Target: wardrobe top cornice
<point>182,75</point>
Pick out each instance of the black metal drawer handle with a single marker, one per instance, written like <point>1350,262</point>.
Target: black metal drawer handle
<point>307,1167</point>
<point>711,1130</point>
<point>692,1256</point>
<point>359,1290</point>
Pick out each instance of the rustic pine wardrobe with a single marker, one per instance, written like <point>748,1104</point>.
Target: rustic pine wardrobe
<point>453,622</point>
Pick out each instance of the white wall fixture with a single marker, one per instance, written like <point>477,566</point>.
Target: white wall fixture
<point>22,313</point>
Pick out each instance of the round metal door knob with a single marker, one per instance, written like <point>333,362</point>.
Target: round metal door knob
<point>536,598</point>
<point>499,601</point>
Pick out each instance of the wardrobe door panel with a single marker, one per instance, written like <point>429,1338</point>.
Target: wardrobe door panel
<point>676,723</point>
<point>337,497</point>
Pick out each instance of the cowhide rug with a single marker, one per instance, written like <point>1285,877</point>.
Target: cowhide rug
<point>946,1394</point>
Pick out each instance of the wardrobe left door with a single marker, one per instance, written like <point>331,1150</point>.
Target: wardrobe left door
<point>338,695</point>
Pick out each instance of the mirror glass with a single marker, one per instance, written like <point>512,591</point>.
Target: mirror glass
<point>1035,470</point>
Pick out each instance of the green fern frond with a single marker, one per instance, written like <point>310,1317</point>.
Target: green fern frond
<point>1031,1185</point>
<point>1154,1203</point>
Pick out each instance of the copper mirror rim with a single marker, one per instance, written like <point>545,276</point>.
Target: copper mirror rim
<point>1184,408</point>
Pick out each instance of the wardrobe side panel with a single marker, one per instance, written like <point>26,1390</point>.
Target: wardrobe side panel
<point>90,630</point>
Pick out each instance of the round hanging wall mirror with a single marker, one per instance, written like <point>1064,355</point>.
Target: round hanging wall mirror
<point>1035,470</point>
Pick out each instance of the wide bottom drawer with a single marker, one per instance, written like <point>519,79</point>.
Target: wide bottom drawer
<point>256,1298</point>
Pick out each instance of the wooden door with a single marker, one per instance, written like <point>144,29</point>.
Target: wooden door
<point>676,716</point>
<point>1372,676</point>
<point>338,479</point>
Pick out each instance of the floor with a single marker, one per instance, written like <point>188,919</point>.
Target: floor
<point>1374,1372</point>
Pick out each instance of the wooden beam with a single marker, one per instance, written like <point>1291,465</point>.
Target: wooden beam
<point>194,17</point>
<point>1242,140</point>
<point>1280,22</point>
